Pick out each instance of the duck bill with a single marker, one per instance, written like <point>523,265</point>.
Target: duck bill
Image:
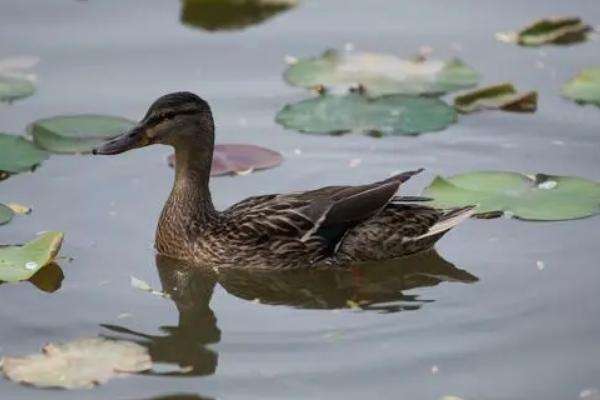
<point>133,139</point>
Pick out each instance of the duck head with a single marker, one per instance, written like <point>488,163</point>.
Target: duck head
<point>178,119</point>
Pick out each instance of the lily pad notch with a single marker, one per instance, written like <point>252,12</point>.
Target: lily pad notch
<point>539,197</point>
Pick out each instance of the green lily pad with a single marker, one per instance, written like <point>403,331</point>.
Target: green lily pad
<point>381,73</point>
<point>538,198</point>
<point>387,115</point>
<point>502,96</point>
<point>216,15</point>
<point>19,263</point>
<point>80,364</point>
<point>6,214</point>
<point>557,30</point>
<point>18,154</point>
<point>74,134</point>
<point>14,88</point>
<point>585,87</point>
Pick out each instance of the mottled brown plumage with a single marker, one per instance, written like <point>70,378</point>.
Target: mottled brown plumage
<point>330,226</point>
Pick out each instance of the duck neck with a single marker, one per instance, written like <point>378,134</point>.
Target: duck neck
<point>189,207</point>
<point>190,194</point>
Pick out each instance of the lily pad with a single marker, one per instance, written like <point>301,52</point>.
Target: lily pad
<point>381,73</point>
<point>15,81</point>
<point>503,96</point>
<point>387,115</point>
<point>81,364</point>
<point>6,214</point>
<point>73,134</point>
<point>539,198</point>
<point>585,87</point>
<point>18,154</point>
<point>240,159</point>
<point>557,30</point>
<point>216,15</point>
<point>14,88</point>
<point>19,263</point>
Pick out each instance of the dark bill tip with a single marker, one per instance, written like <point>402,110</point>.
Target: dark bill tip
<point>121,144</point>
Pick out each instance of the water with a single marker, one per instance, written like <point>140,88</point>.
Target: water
<point>518,332</point>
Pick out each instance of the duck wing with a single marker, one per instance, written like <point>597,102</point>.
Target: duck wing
<point>317,219</point>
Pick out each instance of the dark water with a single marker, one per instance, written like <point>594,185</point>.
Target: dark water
<point>517,333</point>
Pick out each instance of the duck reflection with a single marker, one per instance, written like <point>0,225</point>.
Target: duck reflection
<point>216,15</point>
<point>369,286</point>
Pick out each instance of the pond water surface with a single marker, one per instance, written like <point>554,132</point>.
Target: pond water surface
<point>480,320</point>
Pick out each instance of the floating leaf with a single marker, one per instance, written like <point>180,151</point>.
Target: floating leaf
<point>215,15</point>
<point>15,81</point>
<point>386,115</point>
<point>6,214</point>
<point>18,154</point>
<point>19,209</point>
<point>81,364</point>
<point>139,284</point>
<point>14,88</point>
<point>239,159</point>
<point>19,263</point>
<point>540,197</point>
<point>585,87</point>
<point>381,73</point>
<point>557,30</point>
<point>77,133</point>
<point>503,96</point>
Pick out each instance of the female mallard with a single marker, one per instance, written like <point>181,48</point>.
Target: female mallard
<point>334,225</point>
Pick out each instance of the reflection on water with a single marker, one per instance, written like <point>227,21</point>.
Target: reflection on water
<point>215,15</point>
<point>184,345</point>
<point>370,286</point>
<point>180,397</point>
<point>48,279</point>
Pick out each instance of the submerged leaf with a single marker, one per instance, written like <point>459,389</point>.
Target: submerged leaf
<point>19,263</point>
<point>585,87</point>
<point>503,96</point>
<point>77,133</point>
<point>557,30</point>
<point>240,159</point>
<point>539,198</point>
<point>18,154</point>
<point>381,73</point>
<point>215,15</point>
<point>386,115</point>
<point>81,364</point>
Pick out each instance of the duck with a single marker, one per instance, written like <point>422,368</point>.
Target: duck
<point>331,226</point>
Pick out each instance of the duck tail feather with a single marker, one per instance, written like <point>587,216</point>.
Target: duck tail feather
<point>449,220</point>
